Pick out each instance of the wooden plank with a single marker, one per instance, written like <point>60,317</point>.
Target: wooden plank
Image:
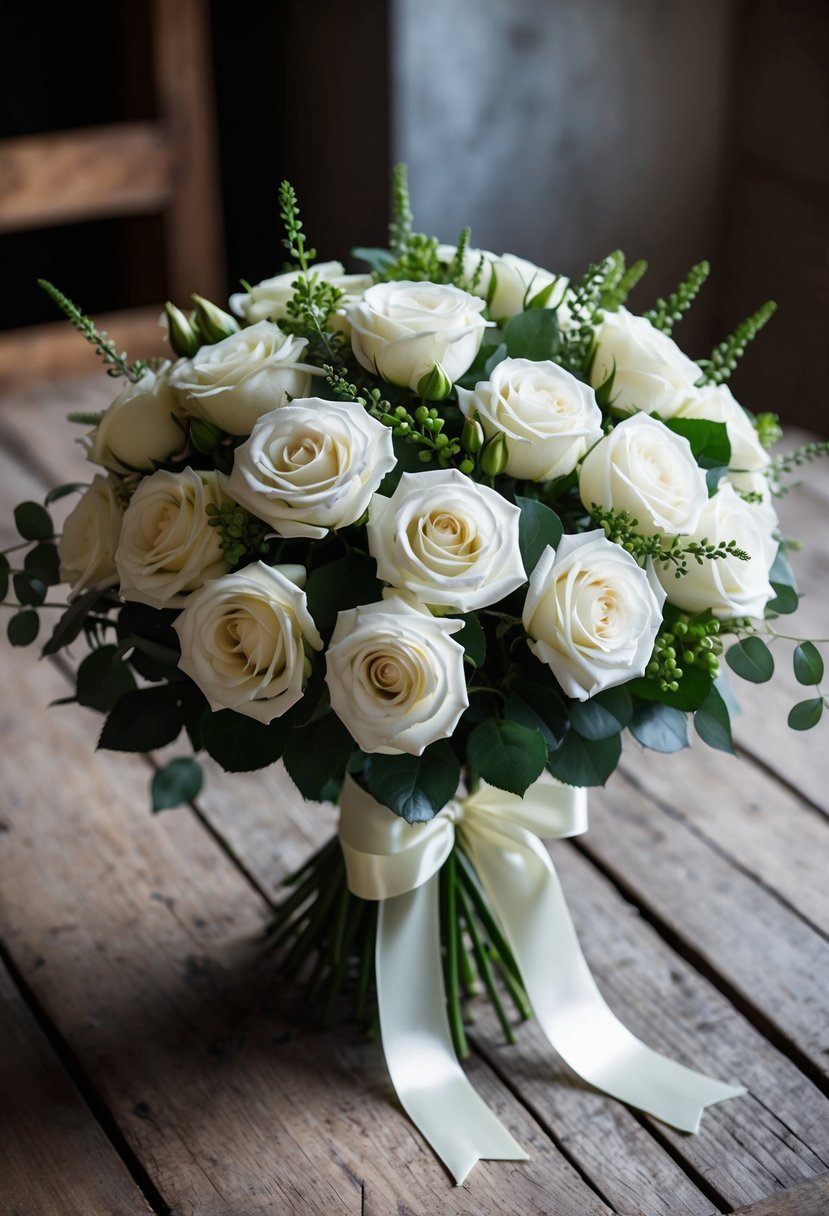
<point>35,353</point>
<point>119,169</point>
<point>808,1199</point>
<point>54,1157</point>
<point>192,222</point>
<point>760,951</point>
<point>141,942</point>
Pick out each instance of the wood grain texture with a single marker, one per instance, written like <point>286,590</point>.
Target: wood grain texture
<point>120,169</point>
<point>808,1199</point>
<point>53,1155</point>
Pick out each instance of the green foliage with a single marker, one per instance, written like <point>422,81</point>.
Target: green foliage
<point>456,274</point>
<point>689,693</point>
<point>71,622</point>
<point>751,659</point>
<point>316,756</point>
<point>659,727</point>
<point>506,755</point>
<point>666,313</point>
<point>70,487</point>
<point>472,638</point>
<point>585,307</point>
<point>143,720</point>
<point>341,584</point>
<point>808,663</point>
<point>23,627</point>
<point>241,744</point>
<point>602,716</point>
<point>619,280</point>
<point>538,528</point>
<point>116,364</point>
<point>586,762</point>
<point>414,787</point>
<point>178,782</point>
<point>787,462</point>
<point>4,576</point>
<point>243,535</point>
<point>781,577</point>
<point>400,227</point>
<point>294,239</point>
<point>103,678</point>
<point>532,335</point>
<point>85,417</point>
<point>620,527</point>
<point>724,358</point>
<point>681,646</point>
<point>769,430</point>
<point>33,521</point>
<point>538,707</point>
<point>29,589</point>
<point>806,714</point>
<point>43,563</point>
<point>712,722</point>
<point>710,445</point>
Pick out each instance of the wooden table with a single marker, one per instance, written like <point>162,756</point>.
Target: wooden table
<point>146,1061</point>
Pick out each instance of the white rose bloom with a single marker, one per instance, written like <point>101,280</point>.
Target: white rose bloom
<point>592,614</point>
<point>243,639</point>
<point>645,469</point>
<point>651,372</point>
<point>395,676</point>
<point>516,279</point>
<point>87,545</point>
<point>401,330</point>
<point>246,375</point>
<point>549,418</point>
<point>728,586</point>
<point>167,546</point>
<point>749,458</point>
<point>447,540</point>
<point>268,300</point>
<point>311,465</point>
<point>143,426</point>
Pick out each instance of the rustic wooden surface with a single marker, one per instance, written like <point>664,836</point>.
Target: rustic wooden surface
<point>147,1059</point>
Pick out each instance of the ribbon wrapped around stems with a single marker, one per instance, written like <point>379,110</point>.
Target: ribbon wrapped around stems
<point>396,863</point>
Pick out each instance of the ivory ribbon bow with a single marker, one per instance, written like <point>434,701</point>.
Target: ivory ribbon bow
<point>391,861</point>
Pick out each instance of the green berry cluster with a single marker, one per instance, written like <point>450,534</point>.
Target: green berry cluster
<point>243,536</point>
<point>684,646</point>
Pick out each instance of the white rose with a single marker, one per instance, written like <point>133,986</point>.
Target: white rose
<point>87,545</point>
<point>592,614</point>
<point>311,465</point>
<point>268,300</point>
<point>167,546</point>
<point>651,372</point>
<point>449,541</point>
<point>401,330</point>
<point>243,639</point>
<point>142,427</point>
<point>728,586</point>
<point>749,458</point>
<point>645,469</point>
<point>517,281</point>
<point>395,676</point>
<point>549,417</point>
<point>246,375</point>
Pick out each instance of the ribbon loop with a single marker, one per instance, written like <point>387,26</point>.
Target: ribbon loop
<point>389,860</point>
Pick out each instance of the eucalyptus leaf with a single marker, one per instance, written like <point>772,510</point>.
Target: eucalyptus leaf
<point>585,762</point>
<point>532,334</point>
<point>507,755</point>
<point>33,521</point>
<point>58,492</point>
<point>808,663</point>
<point>472,638</point>
<point>602,716</point>
<point>414,787</point>
<point>177,783</point>
<point>538,528</point>
<point>23,627</point>
<point>806,714</point>
<point>28,589</point>
<point>659,727</point>
<point>43,563</point>
<point>4,576</point>
<point>72,621</point>
<point>712,723</point>
<point>751,659</point>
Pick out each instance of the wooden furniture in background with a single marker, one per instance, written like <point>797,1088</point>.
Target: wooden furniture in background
<point>166,166</point>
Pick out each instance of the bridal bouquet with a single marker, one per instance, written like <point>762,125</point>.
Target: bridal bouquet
<point>438,536</point>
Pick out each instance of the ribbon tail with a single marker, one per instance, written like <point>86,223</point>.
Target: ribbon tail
<point>567,1003</point>
<point>430,1083</point>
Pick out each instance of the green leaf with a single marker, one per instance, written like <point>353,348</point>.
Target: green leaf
<point>156,644</point>
<point>33,521</point>
<point>659,727</point>
<point>693,690</point>
<point>751,659</point>
<point>583,761</point>
<point>61,491</point>
<point>341,585</point>
<point>507,755</point>
<point>806,714</point>
<point>317,755</point>
<point>709,441</point>
<point>785,601</point>
<point>538,707</point>
<point>28,589</point>
<point>4,576</point>
<point>72,621</point>
<point>472,638</point>
<point>142,721</point>
<point>532,334</point>
<point>241,744</point>
<point>602,716</point>
<point>378,259</point>
<point>808,664</point>
<point>103,678</point>
<point>712,722</point>
<point>414,787</point>
<point>43,563</point>
<point>538,527</point>
<point>23,627</point>
<point>178,782</point>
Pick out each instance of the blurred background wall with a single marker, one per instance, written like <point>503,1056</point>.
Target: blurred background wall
<point>559,129</point>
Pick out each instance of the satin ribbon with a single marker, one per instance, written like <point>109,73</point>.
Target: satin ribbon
<point>396,863</point>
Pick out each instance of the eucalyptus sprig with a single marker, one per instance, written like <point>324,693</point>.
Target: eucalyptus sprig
<point>665,314</point>
<point>726,355</point>
<point>620,280</point>
<point>294,239</point>
<point>116,364</point>
<point>621,528</point>
<point>787,462</point>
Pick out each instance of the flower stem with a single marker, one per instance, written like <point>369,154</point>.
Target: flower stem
<point>449,918</point>
<point>484,965</point>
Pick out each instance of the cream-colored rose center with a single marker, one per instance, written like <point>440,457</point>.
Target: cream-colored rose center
<point>392,677</point>
<point>165,522</point>
<point>441,535</point>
